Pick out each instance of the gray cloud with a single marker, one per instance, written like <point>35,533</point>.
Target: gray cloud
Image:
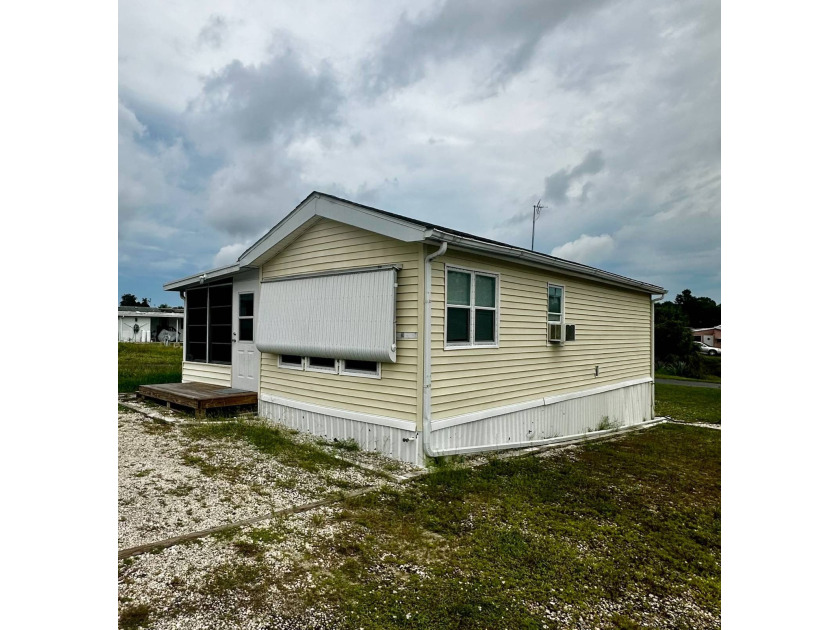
<point>278,98</point>
<point>510,31</point>
<point>214,32</point>
<point>219,143</point>
<point>557,185</point>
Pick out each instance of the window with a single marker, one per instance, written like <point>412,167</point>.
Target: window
<point>472,313</point>
<point>209,324</point>
<point>246,317</point>
<point>348,367</point>
<point>360,368</point>
<point>554,314</point>
<point>697,338</point>
<point>291,361</point>
<point>320,364</point>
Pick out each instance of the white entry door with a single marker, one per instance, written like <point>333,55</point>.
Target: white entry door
<point>245,359</point>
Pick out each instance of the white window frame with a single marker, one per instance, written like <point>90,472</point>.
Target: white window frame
<point>460,345</point>
<point>239,317</point>
<point>342,369</point>
<point>562,322</point>
<point>291,366</point>
<point>317,368</point>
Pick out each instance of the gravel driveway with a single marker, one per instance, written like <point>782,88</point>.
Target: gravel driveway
<point>172,482</point>
<point>181,477</point>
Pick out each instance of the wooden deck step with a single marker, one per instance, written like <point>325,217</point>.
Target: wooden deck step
<point>198,396</point>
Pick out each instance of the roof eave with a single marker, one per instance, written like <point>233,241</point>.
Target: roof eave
<point>200,278</point>
<point>544,261</point>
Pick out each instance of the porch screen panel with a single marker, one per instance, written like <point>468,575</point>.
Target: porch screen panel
<point>341,316</point>
<point>196,325</point>
<point>221,323</point>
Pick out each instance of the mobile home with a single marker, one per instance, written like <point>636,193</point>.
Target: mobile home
<point>416,340</point>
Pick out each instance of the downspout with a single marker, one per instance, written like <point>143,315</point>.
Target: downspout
<point>427,353</point>
<point>652,356</point>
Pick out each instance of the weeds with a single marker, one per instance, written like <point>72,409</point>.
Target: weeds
<point>271,440</point>
<point>134,616</point>
<point>636,515</point>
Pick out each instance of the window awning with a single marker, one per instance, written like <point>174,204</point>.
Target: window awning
<point>342,315</point>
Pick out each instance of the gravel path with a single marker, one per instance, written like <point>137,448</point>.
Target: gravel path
<point>172,484</point>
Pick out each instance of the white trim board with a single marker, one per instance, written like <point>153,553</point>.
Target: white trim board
<point>394,423</point>
<point>529,404</point>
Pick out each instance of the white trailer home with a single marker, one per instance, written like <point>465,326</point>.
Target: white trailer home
<point>417,340</point>
<point>146,323</point>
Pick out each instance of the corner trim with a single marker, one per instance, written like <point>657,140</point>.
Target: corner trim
<point>394,423</point>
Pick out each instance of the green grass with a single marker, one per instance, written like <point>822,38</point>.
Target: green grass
<point>270,439</point>
<point>688,404</point>
<point>590,537</point>
<point>621,534</point>
<point>147,363</point>
<point>134,616</point>
<point>706,379</point>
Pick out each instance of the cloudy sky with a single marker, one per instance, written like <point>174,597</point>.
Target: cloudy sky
<point>462,113</point>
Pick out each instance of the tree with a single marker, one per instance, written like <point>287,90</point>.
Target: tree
<point>129,299</point>
<point>672,336</point>
<point>145,302</point>
<point>164,306</point>
<point>702,312</point>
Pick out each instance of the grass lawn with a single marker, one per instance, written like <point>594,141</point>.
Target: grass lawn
<point>619,535</point>
<point>689,404</point>
<point>707,379</point>
<point>622,534</point>
<point>146,363</point>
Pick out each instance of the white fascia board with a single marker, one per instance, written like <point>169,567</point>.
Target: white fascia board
<point>262,249</point>
<point>316,206</point>
<point>542,261</point>
<point>369,220</point>
<point>195,279</point>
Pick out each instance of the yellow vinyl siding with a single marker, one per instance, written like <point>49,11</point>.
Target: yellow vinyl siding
<point>612,332</point>
<point>211,373</point>
<point>329,245</point>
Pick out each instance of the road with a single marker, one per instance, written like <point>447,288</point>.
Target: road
<point>672,381</point>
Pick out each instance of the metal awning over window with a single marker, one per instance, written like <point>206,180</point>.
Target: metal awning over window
<point>341,315</point>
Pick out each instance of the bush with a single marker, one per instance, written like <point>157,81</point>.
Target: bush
<point>710,364</point>
<point>692,366</point>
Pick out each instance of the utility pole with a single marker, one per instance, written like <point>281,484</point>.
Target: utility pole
<point>537,209</point>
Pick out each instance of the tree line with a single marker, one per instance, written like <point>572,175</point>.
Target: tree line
<point>129,299</point>
<point>673,339</point>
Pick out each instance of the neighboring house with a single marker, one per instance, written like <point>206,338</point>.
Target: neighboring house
<point>416,340</point>
<point>143,323</point>
<point>709,336</point>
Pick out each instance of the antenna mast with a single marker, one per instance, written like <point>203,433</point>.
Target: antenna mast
<point>537,209</point>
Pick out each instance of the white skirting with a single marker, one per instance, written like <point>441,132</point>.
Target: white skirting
<point>397,439</point>
<point>545,420</point>
<point>533,423</point>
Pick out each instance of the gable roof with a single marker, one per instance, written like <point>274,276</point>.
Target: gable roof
<point>322,205</point>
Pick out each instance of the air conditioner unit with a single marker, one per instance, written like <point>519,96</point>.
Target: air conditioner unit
<point>555,332</point>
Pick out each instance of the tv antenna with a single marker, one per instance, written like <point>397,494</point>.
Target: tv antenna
<point>537,209</point>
